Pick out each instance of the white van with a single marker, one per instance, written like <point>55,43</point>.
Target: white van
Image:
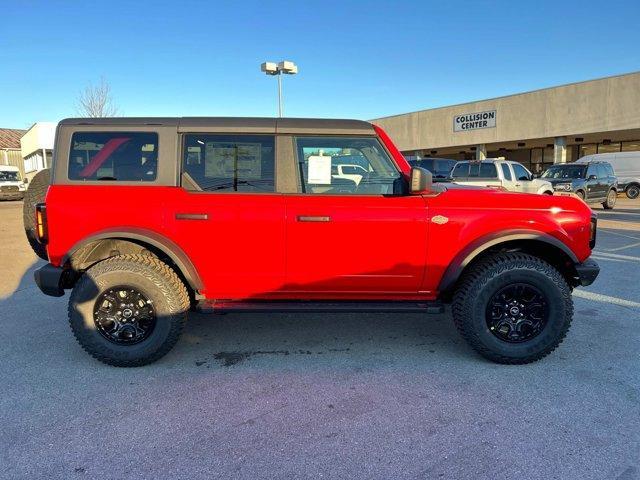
<point>12,187</point>
<point>626,166</point>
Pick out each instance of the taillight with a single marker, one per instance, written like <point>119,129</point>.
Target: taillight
<point>41,223</point>
<point>593,230</point>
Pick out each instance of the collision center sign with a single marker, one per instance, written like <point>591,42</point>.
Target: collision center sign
<point>474,121</point>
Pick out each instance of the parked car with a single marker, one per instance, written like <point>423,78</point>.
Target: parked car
<point>12,186</point>
<point>440,168</point>
<point>243,214</point>
<point>511,176</point>
<point>626,167</point>
<point>593,182</point>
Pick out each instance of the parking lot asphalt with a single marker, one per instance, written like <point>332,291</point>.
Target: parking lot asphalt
<point>324,396</point>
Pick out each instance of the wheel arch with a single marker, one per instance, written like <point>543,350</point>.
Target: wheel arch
<point>108,243</point>
<point>540,244</point>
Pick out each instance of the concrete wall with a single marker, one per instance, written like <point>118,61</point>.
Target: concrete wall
<point>601,105</point>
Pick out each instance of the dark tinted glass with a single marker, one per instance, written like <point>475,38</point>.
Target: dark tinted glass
<point>565,171</point>
<point>119,156</point>
<point>438,166</point>
<point>520,172</point>
<point>460,170</point>
<point>488,170</point>
<point>609,169</point>
<point>230,163</point>
<point>506,171</point>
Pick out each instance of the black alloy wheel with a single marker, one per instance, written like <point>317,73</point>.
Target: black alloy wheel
<point>517,313</point>
<point>124,316</point>
<point>633,191</point>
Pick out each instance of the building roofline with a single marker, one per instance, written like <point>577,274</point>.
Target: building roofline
<point>508,96</point>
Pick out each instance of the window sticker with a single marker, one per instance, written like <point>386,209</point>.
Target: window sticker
<point>225,160</point>
<point>319,170</point>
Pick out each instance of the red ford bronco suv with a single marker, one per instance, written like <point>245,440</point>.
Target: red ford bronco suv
<point>147,218</point>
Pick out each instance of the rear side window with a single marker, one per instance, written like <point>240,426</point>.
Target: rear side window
<point>506,172</point>
<point>488,170</point>
<point>114,156</point>
<point>460,170</point>
<point>230,163</point>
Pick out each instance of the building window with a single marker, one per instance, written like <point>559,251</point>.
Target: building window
<point>632,146</point>
<point>609,148</point>
<point>588,149</point>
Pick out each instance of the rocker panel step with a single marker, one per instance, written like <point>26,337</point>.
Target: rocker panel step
<point>224,306</point>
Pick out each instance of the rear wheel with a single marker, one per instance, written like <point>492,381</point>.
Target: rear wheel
<point>610,202</point>
<point>36,193</point>
<point>128,310</point>
<point>513,308</point>
<point>633,191</point>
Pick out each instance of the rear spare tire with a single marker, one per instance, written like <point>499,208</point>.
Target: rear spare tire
<point>128,310</point>
<point>513,308</point>
<point>35,194</point>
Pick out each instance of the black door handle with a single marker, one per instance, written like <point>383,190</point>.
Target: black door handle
<point>310,218</point>
<point>192,216</point>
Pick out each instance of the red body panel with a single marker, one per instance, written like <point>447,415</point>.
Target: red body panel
<point>255,246</point>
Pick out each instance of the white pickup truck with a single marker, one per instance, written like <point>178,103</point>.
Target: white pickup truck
<point>495,173</point>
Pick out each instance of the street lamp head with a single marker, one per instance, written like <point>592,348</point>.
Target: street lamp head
<point>288,67</point>
<point>270,68</point>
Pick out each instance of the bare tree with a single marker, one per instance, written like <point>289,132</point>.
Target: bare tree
<point>96,101</point>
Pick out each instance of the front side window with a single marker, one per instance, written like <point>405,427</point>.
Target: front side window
<point>230,163</point>
<point>520,172</point>
<point>346,165</point>
<point>115,156</point>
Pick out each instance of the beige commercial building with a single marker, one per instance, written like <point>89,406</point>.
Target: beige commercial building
<point>539,128</point>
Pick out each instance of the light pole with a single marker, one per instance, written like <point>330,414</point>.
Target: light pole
<point>272,68</point>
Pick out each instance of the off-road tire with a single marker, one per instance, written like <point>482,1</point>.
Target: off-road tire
<point>35,194</point>
<point>581,195</point>
<point>149,275</point>
<point>632,191</point>
<point>610,202</point>
<point>490,275</point>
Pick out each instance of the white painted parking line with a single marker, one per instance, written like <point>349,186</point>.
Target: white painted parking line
<point>631,245</point>
<point>608,259</point>
<point>617,255</point>
<point>617,234</point>
<point>598,297</point>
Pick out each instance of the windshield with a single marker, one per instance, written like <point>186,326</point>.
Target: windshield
<point>565,171</point>
<point>9,176</point>
<point>439,167</point>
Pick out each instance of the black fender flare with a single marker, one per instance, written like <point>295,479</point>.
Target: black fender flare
<point>159,241</point>
<point>481,244</point>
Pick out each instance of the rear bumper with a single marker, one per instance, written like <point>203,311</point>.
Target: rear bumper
<point>587,271</point>
<point>49,280</point>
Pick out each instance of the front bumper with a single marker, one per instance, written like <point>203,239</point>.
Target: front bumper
<point>587,271</point>
<point>49,280</point>
<point>11,195</point>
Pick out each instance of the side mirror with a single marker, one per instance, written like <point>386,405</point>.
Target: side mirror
<point>26,180</point>
<point>421,180</point>
<point>592,177</point>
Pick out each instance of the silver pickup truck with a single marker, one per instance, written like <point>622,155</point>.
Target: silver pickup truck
<point>495,173</point>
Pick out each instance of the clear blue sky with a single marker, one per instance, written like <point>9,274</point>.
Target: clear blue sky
<point>357,59</point>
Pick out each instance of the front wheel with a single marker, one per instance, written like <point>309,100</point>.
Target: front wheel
<point>128,310</point>
<point>513,308</point>
<point>610,202</point>
<point>633,191</point>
